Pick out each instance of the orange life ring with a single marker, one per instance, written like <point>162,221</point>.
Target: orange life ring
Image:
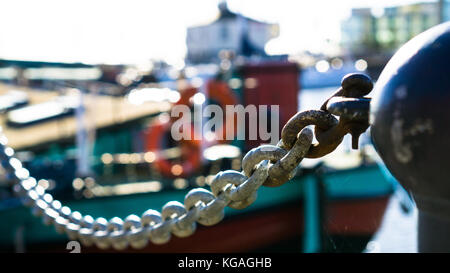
<point>190,159</point>
<point>220,92</point>
<point>185,95</point>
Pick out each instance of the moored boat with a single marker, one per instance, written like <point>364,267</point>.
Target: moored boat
<point>330,210</point>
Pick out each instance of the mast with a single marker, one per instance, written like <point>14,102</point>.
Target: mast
<point>84,137</point>
<point>441,4</point>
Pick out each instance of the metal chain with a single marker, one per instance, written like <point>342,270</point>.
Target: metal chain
<point>266,165</point>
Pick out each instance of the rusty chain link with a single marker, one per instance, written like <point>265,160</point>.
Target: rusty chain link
<point>266,165</point>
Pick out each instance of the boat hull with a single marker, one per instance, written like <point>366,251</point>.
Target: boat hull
<point>354,205</point>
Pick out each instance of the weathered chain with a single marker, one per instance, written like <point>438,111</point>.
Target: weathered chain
<point>266,165</point>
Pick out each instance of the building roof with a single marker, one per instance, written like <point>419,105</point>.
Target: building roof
<point>226,13</point>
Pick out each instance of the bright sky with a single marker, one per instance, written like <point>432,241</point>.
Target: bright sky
<point>132,31</point>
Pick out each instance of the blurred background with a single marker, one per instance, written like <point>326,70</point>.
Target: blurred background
<point>86,88</point>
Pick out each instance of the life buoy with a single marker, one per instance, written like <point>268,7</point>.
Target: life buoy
<point>189,160</point>
<point>217,91</point>
<point>191,157</point>
<point>220,91</point>
<point>185,95</point>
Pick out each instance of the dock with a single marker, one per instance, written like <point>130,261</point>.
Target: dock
<point>103,111</point>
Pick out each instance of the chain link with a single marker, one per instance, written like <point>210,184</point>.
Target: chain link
<point>266,165</point>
